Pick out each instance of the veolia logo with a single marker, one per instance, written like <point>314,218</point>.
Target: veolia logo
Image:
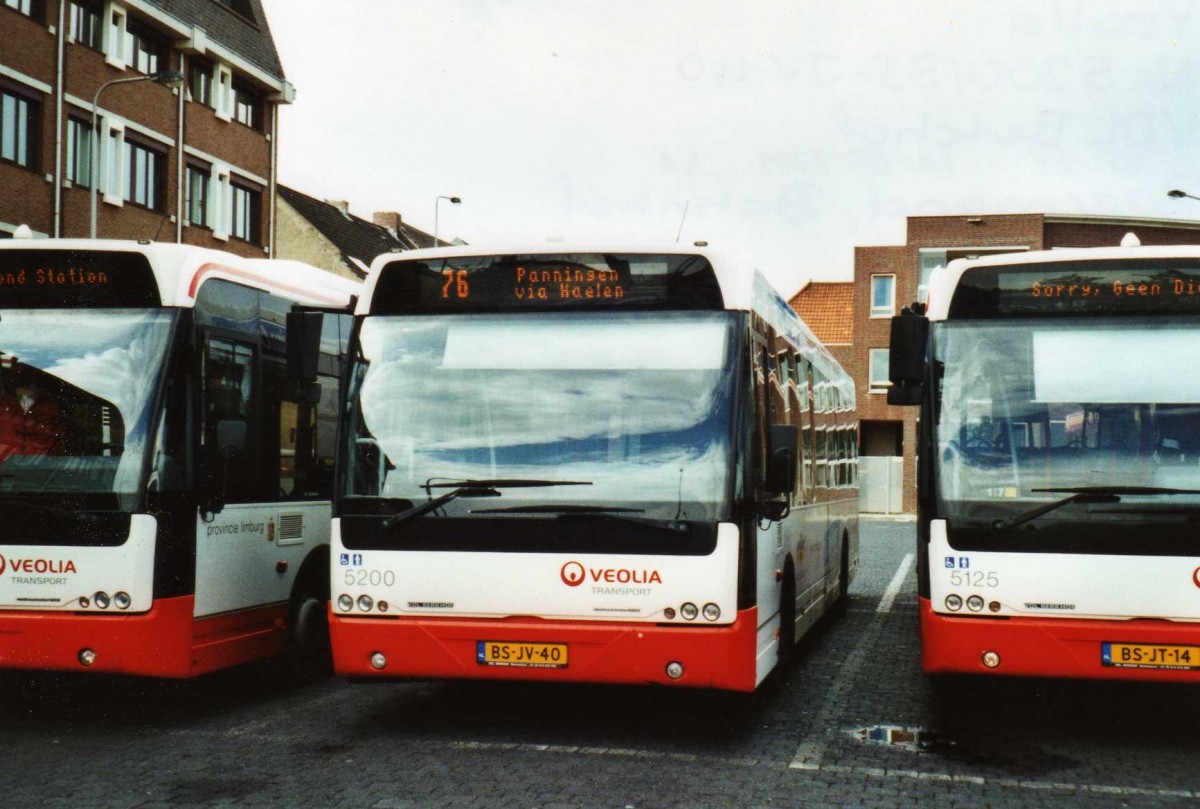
<point>3,565</point>
<point>572,574</point>
<point>1195,573</point>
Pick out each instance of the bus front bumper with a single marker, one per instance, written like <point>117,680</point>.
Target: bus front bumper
<point>1049,647</point>
<point>164,642</point>
<point>711,657</point>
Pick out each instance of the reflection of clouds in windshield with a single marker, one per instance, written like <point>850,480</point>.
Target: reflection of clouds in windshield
<point>114,356</point>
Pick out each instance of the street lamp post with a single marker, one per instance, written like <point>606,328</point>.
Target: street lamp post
<point>1177,194</point>
<point>453,201</point>
<point>167,78</point>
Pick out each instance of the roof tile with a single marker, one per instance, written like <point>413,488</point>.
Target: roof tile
<point>828,309</point>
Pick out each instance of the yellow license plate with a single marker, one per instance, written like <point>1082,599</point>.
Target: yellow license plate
<point>527,655</point>
<point>1149,656</point>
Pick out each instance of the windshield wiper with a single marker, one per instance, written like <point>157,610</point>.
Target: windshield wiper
<point>470,488</point>
<point>1084,494</point>
<point>579,511</point>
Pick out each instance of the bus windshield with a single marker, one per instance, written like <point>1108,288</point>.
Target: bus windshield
<point>1032,411</point>
<point>75,398</point>
<point>633,409</point>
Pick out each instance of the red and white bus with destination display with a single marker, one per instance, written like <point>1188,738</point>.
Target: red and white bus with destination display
<point>1059,483</point>
<point>165,471</point>
<point>587,465</point>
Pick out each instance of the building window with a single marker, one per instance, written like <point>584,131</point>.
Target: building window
<point>247,106</point>
<point>18,129</point>
<point>878,370</point>
<point>244,207</point>
<point>200,76</point>
<point>143,175</point>
<point>241,7</point>
<point>85,23</point>
<point>79,152</point>
<point>144,47</point>
<point>930,260</point>
<point>30,8</point>
<point>197,195</point>
<point>883,295</point>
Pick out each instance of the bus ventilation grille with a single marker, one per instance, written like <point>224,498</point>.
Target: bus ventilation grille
<point>291,526</point>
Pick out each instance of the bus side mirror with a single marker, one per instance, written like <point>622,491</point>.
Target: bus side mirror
<point>781,459</point>
<point>906,358</point>
<point>303,345</point>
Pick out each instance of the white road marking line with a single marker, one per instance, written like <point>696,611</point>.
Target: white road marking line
<point>893,589</point>
<point>810,752</point>
<point>708,760</point>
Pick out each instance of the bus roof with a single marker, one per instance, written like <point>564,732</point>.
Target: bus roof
<point>743,288</point>
<point>945,280</point>
<point>179,269</point>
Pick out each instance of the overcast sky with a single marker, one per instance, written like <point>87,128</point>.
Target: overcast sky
<point>794,129</point>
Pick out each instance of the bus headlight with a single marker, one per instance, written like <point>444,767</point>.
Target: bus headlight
<point>975,603</point>
<point>365,603</point>
<point>122,600</point>
<point>953,602</point>
<point>345,603</point>
<point>102,600</point>
<point>711,612</point>
<point>689,611</point>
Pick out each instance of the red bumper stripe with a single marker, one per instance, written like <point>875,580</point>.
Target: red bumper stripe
<point>712,657</point>
<point>164,642</point>
<point>1045,647</point>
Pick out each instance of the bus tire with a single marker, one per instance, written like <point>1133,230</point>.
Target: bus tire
<point>842,605</point>
<point>309,655</point>
<point>787,622</point>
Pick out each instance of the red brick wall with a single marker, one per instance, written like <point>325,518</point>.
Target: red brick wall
<point>28,47</point>
<point>1100,235</point>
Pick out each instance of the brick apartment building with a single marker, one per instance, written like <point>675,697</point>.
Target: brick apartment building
<point>889,277</point>
<point>193,164</point>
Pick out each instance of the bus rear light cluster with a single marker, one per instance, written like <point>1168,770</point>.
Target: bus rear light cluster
<point>102,600</point>
<point>690,612</point>
<point>954,603</point>
<point>347,603</point>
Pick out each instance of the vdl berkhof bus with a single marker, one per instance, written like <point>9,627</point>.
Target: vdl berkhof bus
<point>164,480</point>
<point>587,464</point>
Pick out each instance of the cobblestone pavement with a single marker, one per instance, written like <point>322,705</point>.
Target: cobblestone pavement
<point>854,726</point>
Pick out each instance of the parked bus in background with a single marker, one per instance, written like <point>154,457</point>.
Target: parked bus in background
<point>1059,479</point>
<point>588,465</point>
<point>164,481</point>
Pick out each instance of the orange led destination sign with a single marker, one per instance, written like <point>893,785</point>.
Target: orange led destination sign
<point>1092,287</point>
<point>561,281</point>
<point>540,284</point>
<point>75,278</point>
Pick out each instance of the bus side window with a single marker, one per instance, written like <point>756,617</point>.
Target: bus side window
<point>228,398</point>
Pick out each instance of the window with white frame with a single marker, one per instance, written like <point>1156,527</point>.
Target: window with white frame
<point>878,369</point>
<point>247,106</point>
<point>244,207</point>
<point>18,129</point>
<point>115,50</point>
<point>200,81</point>
<point>86,20</point>
<point>198,180</point>
<point>143,175</point>
<point>145,47</point>
<point>30,8</point>
<point>79,152</point>
<point>883,295</point>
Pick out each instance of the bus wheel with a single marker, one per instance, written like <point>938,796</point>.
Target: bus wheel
<point>787,623</point>
<point>842,604</point>
<point>309,654</point>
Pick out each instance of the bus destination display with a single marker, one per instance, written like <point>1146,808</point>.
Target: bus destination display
<point>64,278</point>
<point>565,281</point>
<point>1073,288</point>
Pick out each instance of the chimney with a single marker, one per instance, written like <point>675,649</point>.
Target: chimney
<point>342,205</point>
<point>387,219</point>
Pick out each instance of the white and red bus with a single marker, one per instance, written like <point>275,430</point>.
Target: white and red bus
<point>164,480</point>
<point>1059,475</point>
<point>589,465</point>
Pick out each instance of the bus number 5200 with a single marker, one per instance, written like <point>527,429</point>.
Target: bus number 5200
<point>372,577</point>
